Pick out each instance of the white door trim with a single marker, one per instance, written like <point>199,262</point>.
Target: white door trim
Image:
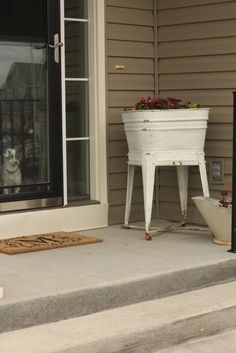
<point>88,216</point>
<point>97,101</point>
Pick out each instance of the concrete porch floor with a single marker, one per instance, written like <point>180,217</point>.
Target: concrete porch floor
<point>68,282</point>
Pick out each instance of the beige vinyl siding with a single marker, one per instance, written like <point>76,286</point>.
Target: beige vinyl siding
<point>197,62</point>
<point>196,59</point>
<point>130,42</point>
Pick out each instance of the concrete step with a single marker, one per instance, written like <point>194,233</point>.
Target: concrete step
<point>222,343</point>
<point>51,308</point>
<point>145,327</point>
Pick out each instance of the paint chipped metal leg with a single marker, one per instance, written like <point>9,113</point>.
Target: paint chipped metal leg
<point>182,174</point>
<point>130,183</point>
<point>148,173</point>
<point>203,174</point>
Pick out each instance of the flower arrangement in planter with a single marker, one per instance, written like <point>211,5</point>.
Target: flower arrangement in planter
<point>226,200</point>
<point>169,123</point>
<point>163,103</point>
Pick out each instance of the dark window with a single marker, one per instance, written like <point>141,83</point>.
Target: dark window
<point>23,20</point>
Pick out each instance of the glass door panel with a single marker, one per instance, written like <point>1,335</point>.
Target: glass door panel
<point>76,9</point>
<point>76,34</point>
<point>77,114</point>
<point>78,170</point>
<point>30,115</point>
<point>77,100</point>
<point>24,117</point>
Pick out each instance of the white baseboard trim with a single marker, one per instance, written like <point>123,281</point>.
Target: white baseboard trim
<point>51,220</point>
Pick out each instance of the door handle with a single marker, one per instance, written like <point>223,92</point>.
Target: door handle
<point>56,45</point>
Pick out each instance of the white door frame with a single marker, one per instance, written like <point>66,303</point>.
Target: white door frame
<point>88,216</point>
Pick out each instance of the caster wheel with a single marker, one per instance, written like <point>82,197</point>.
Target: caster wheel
<point>148,237</point>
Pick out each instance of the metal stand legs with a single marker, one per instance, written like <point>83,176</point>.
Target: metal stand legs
<point>182,175</point>
<point>130,184</point>
<point>148,172</point>
<point>203,174</point>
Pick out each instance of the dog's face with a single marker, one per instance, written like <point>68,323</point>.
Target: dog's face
<point>9,159</point>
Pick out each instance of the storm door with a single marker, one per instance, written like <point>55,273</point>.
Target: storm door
<point>30,104</point>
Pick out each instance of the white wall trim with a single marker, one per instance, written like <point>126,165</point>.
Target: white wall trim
<point>53,219</point>
<point>97,77</point>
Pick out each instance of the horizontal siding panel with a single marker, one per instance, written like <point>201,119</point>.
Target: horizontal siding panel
<point>207,80</point>
<point>171,211</point>
<point>117,197</point>
<point>203,97</point>
<point>116,132</point>
<point>117,148</point>
<point>131,33</point>
<point>212,63</point>
<point>221,114</point>
<point>169,178</point>
<point>219,132</point>
<point>197,31</point>
<point>129,16</point>
<point>130,82</point>
<point>124,99</point>
<point>135,4</point>
<point>114,115</point>
<point>118,165</point>
<point>131,65</point>
<point>219,148</point>
<point>130,49</point>
<point>119,181</point>
<point>170,4</point>
<point>198,47</point>
<point>116,214</point>
<point>204,13</point>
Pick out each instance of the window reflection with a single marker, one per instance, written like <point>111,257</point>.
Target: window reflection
<point>76,8</point>
<point>23,117</point>
<point>76,55</point>
<point>78,170</point>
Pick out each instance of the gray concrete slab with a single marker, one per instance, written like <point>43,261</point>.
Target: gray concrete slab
<point>58,284</point>
<point>139,328</point>
<point>223,343</point>
<point>123,256</point>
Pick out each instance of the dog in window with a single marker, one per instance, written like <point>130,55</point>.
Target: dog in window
<point>11,173</point>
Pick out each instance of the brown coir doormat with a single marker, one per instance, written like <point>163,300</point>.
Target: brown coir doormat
<point>45,241</point>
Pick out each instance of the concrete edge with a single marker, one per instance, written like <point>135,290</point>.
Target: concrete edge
<point>84,302</point>
<point>161,337</point>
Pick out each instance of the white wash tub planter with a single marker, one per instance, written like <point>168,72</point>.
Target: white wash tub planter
<point>169,137</point>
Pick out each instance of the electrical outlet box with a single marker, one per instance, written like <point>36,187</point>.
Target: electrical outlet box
<point>217,170</point>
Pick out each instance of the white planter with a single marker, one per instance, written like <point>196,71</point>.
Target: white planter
<point>170,137</point>
<point>165,130</point>
<point>216,217</point>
